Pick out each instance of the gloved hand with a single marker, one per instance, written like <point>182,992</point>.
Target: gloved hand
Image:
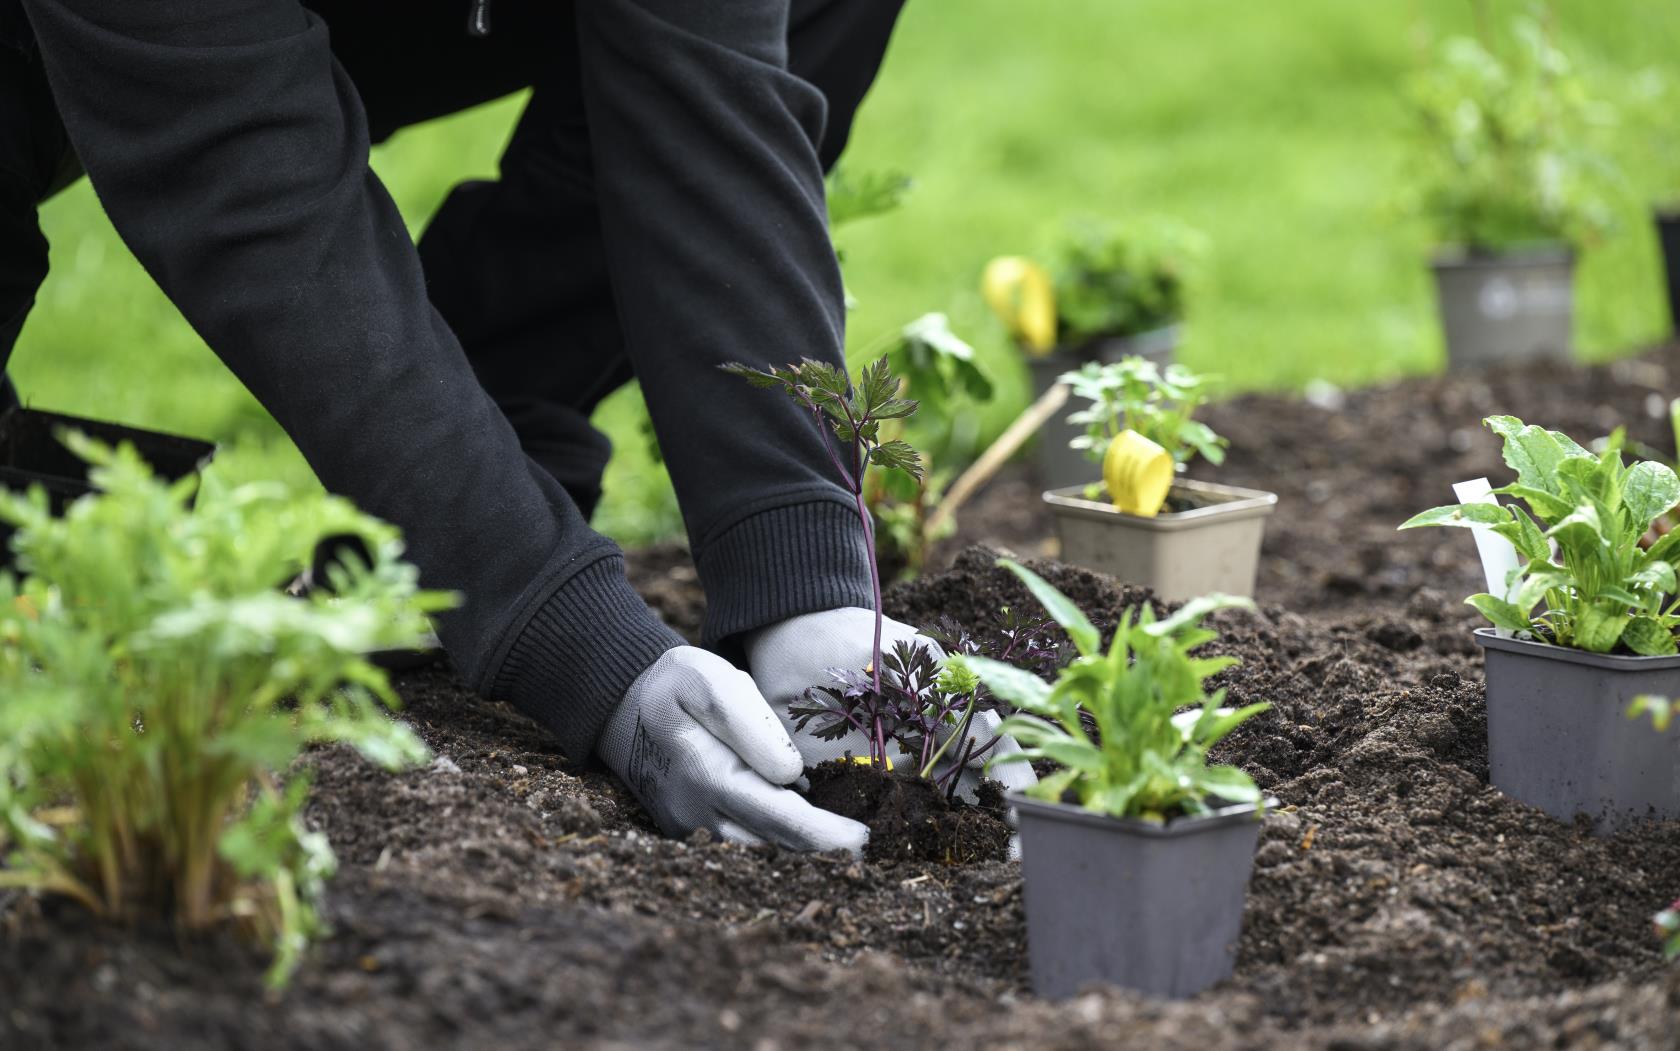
<point>796,654</point>
<point>697,745</point>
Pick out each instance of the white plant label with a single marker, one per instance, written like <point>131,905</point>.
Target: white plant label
<point>1498,557</point>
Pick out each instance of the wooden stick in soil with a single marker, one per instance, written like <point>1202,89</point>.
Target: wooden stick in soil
<point>999,452</point>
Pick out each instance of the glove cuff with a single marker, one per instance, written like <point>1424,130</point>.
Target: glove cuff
<point>577,655</point>
<point>781,562</point>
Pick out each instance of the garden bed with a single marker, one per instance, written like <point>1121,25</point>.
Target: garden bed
<point>1348,467</point>
<point>506,897</point>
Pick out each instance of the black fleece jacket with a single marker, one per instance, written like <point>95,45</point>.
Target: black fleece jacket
<point>230,149</point>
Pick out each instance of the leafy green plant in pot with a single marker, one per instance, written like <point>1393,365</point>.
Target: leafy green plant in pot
<point>1513,188</point>
<point>1579,631</point>
<point>1653,162</point>
<point>156,686</point>
<point>1136,852</point>
<point>1143,522</point>
<point>1112,289</point>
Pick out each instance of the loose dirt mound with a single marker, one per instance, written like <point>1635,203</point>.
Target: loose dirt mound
<point>507,897</point>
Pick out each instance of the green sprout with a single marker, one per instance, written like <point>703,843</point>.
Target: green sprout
<point>1152,720</point>
<point>156,685</point>
<point>1135,394</point>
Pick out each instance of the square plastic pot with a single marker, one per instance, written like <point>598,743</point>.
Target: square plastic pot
<point>1506,308</point>
<point>1215,547</point>
<point>31,454</point>
<point>1668,237</point>
<point>1559,737</point>
<point>1058,465</point>
<point>1147,907</point>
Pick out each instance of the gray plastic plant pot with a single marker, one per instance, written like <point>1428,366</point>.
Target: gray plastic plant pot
<point>1506,308</point>
<point>1156,908</point>
<point>1559,737</point>
<point>1215,547</point>
<point>1668,236</point>
<point>1058,464</point>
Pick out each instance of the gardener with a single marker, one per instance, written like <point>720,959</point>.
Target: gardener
<point>660,212</point>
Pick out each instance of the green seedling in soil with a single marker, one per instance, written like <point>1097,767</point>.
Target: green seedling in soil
<point>849,420</point>
<point>1135,394</point>
<point>927,357</point>
<point>1121,279</point>
<point>925,705</point>
<point>905,694</point>
<point>1605,591</point>
<point>1507,125</point>
<point>156,686</point>
<point>1130,727</point>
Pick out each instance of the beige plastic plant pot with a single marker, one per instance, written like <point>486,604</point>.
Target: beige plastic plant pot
<point>1156,908</point>
<point>1214,547</point>
<point>1559,737</point>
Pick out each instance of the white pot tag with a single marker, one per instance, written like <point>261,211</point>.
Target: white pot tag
<point>1498,557</point>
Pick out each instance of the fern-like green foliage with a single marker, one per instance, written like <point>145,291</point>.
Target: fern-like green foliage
<point>1143,753</point>
<point>157,684</point>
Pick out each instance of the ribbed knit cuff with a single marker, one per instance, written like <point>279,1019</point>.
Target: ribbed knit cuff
<point>780,563</point>
<point>579,652</point>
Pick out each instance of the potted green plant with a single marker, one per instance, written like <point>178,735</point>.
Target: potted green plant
<point>1579,633</point>
<point>1135,853</point>
<point>157,689</point>
<point>1144,523</point>
<point>1113,290</point>
<point>1511,190</point>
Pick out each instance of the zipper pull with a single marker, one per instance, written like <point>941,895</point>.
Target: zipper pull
<point>478,22</point>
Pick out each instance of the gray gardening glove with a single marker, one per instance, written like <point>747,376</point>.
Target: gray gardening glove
<point>796,654</point>
<point>697,745</point>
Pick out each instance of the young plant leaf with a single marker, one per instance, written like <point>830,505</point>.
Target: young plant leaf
<point>1061,609</point>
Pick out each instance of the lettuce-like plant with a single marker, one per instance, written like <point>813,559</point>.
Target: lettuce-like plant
<point>1135,394</point>
<point>1603,591</point>
<point>156,686</point>
<point>1142,752</point>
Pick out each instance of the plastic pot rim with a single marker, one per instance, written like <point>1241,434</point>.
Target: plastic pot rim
<point>1489,639</point>
<point>1537,253</point>
<point>1231,503</point>
<point>1185,825</point>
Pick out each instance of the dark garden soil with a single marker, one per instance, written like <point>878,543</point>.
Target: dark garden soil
<point>909,819</point>
<point>1348,467</point>
<point>504,897</point>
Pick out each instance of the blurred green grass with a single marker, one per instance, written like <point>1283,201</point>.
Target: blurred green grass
<point>1279,129</point>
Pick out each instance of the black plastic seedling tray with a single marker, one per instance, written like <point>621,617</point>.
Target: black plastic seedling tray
<point>31,454</point>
